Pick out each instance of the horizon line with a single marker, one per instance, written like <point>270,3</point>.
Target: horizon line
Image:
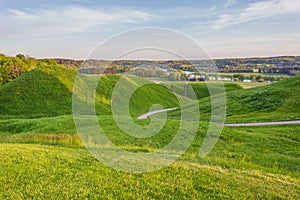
<point>167,59</point>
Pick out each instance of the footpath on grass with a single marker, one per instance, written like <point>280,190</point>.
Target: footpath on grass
<point>146,115</point>
<point>265,123</point>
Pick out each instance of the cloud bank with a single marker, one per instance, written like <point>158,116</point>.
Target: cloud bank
<point>257,10</point>
<point>71,19</point>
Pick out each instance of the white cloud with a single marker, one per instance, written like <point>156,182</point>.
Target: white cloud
<point>258,10</point>
<point>230,3</point>
<point>70,19</point>
<point>186,12</point>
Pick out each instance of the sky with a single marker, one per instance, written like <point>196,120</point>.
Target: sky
<point>223,28</point>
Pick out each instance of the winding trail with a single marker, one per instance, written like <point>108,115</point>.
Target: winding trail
<point>146,115</point>
<point>264,123</point>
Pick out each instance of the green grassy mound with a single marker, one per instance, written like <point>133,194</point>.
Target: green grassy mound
<point>44,91</point>
<point>279,100</point>
<point>274,102</point>
<point>47,92</point>
<point>146,94</point>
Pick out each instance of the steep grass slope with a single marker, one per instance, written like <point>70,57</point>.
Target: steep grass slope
<point>44,91</point>
<point>146,94</point>
<point>279,101</point>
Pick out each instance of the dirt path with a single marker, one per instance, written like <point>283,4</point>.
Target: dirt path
<point>144,116</point>
<point>264,123</point>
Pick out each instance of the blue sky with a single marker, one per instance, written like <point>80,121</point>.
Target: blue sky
<point>224,28</point>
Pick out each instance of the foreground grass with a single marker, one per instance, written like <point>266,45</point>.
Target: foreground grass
<point>273,149</point>
<point>38,171</point>
<point>246,163</point>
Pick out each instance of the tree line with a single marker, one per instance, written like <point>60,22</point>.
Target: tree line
<point>13,67</point>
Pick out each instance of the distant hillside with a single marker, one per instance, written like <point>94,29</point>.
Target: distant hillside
<point>12,67</point>
<point>268,64</point>
<point>281,64</point>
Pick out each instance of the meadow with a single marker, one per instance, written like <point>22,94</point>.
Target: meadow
<point>43,156</point>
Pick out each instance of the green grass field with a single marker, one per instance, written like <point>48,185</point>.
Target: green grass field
<point>41,171</point>
<point>43,157</point>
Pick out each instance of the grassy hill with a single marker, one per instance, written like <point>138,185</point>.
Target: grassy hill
<point>146,94</point>
<point>273,102</point>
<point>47,91</point>
<point>42,92</point>
<point>278,101</point>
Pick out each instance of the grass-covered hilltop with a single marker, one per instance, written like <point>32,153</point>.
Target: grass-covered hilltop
<point>42,157</point>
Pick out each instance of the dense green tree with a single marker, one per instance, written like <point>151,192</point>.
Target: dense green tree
<point>13,67</point>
